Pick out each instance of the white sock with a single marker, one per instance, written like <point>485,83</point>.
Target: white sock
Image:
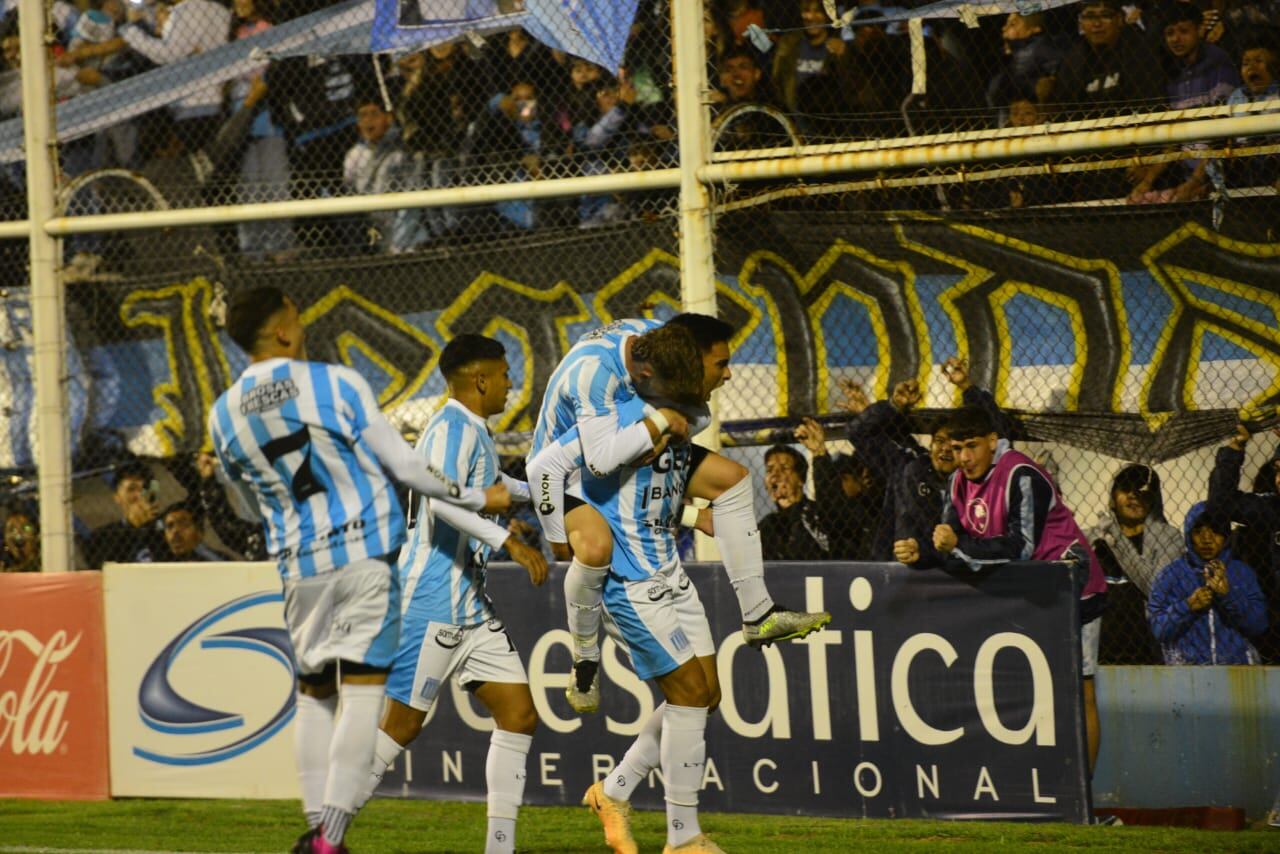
<point>504,775</point>
<point>312,734</point>
<point>385,752</point>
<point>684,755</point>
<point>583,592</point>
<point>643,756</point>
<point>734,516</point>
<point>351,753</point>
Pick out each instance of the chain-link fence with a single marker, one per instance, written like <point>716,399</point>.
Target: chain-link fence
<point>1119,306</point>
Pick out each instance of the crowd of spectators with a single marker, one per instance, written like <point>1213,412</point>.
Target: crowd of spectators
<point>1206,594</point>
<point>508,108</point>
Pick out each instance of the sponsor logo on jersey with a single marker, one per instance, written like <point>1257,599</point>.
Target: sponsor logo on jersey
<point>260,398</point>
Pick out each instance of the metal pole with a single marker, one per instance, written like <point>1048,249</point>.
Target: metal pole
<point>1012,148</point>
<point>53,452</point>
<point>615,182</point>
<point>693,130</point>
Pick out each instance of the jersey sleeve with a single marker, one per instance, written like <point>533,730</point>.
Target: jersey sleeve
<point>607,445</point>
<point>452,446</point>
<point>548,471</point>
<point>519,489</point>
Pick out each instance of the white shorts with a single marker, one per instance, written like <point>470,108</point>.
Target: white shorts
<point>349,614</point>
<point>431,652</point>
<point>659,621</point>
<point>1090,636</point>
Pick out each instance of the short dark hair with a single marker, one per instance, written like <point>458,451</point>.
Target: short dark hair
<point>249,310</point>
<point>802,465</point>
<point>707,330</point>
<point>135,469</point>
<point>186,505</point>
<point>467,348</point>
<point>672,352</point>
<point>969,422</point>
<point>739,52</point>
<point>1113,5</point>
<point>1179,12</point>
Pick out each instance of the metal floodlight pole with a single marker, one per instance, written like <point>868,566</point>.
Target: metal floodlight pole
<point>48,317</point>
<point>693,131</point>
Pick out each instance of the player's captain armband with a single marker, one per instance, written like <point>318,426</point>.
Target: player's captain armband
<point>689,516</point>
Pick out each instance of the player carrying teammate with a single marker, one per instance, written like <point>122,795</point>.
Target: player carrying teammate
<point>307,445</point>
<point>604,369</point>
<point>653,611</point>
<point>448,623</point>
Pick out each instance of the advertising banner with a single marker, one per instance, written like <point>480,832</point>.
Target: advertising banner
<point>53,688</point>
<point>928,696</point>
<point>201,681</point>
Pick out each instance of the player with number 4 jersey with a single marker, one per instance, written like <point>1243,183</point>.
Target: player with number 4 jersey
<point>306,445</point>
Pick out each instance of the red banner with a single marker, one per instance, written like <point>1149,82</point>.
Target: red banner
<point>53,686</point>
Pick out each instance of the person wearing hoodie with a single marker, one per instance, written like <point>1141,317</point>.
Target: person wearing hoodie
<point>1206,605</point>
<point>1004,507</point>
<point>1260,512</point>
<point>1133,542</point>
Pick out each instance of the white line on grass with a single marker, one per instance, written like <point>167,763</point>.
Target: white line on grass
<point>38,849</point>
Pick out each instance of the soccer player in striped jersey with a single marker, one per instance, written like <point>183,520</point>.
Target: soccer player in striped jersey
<point>653,612</point>
<point>449,627</point>
<point>307,445</point>
<point>600,372</point>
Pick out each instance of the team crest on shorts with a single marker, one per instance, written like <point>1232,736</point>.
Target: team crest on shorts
<point>430,687</point>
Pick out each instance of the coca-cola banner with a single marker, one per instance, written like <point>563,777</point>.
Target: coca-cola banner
<point>201,682</point>
<point>53,687</point>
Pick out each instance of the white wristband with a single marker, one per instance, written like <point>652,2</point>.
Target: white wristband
<point>689,516</point>
<point>659,421</point>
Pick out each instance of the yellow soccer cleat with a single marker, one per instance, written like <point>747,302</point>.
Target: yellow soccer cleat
<point>780,624</point>
<point>616,818</point>
<point>699,844</point>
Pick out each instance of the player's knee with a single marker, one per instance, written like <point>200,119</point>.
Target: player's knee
<point>402,731</point>
<point>592,547</point>
<point>522,720</point>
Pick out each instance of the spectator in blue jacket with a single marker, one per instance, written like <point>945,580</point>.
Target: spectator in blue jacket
<point>1206,605</point>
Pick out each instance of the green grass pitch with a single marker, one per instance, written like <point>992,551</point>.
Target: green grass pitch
<point>402,827</point>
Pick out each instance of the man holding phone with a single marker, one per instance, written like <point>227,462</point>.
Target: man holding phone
<point>137,535</point>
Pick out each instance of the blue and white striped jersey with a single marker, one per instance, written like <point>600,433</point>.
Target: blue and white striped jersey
<point>292,432</point>
<point>642,504</point>
<point>591,380</point>
<point>442,571</point>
